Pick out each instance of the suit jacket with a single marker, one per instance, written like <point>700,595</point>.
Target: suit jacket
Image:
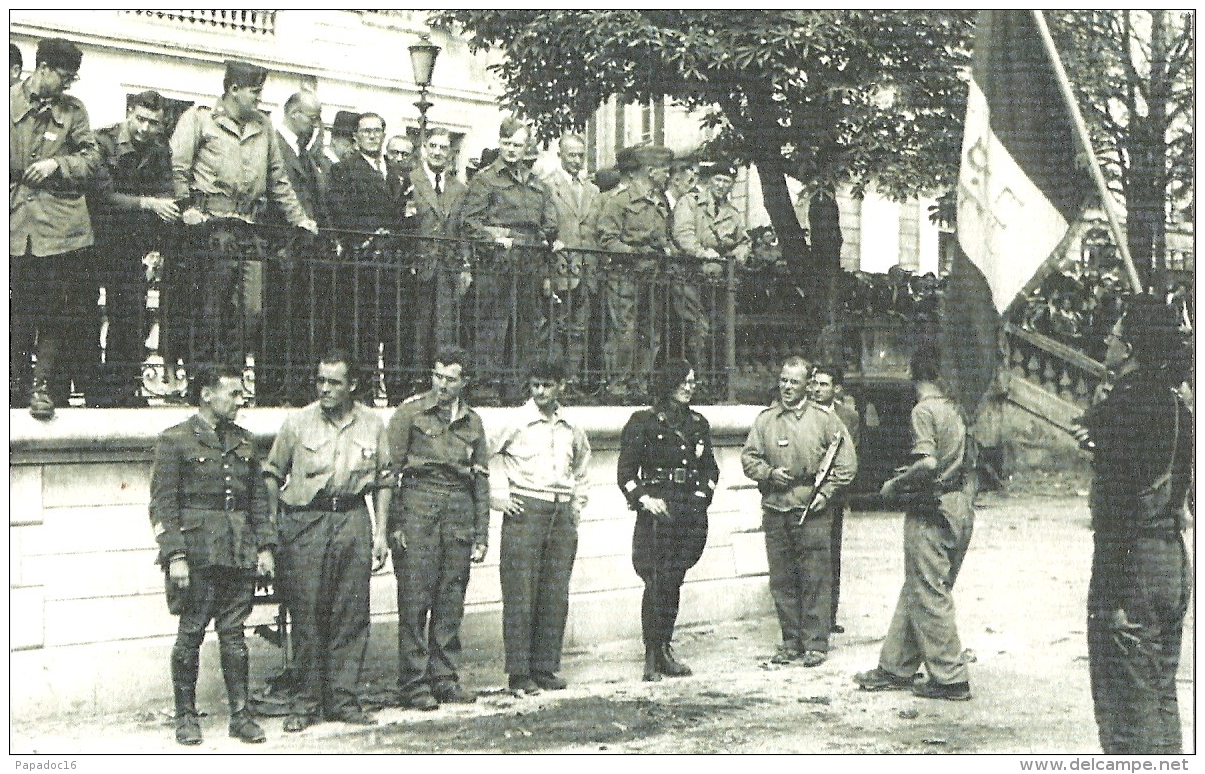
<point>362,199</point>
<point>575,221</point>
<point>311,181</point>
<point>435,215</point>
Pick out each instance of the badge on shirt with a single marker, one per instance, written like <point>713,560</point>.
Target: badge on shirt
<point>783,442</point>
<point>366,452</point>
<point>50,137</point>
<point>699,446</point>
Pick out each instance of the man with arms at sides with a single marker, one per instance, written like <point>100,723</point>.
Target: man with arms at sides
<point>327,459</point>
<point>784,451</point>
<point>210,516</point>
<point>546,459</point>
<point>438,528</point>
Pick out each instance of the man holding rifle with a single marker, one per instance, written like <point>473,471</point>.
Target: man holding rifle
<point>801,455</point>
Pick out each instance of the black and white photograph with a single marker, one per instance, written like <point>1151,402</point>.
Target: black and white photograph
<point>602,382</point>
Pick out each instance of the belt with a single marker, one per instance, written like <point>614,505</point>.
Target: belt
<point>953,485</point>
<point>435,485</point>
<point>670,476</point>
<point>548,497</point>
<point>219,204</point>
<point>334,503</point>
<point>217,503</point>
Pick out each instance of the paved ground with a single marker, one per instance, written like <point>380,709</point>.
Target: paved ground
<point>1020,608</point>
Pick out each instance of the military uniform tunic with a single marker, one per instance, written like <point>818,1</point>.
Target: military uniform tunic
<point>666,453</point>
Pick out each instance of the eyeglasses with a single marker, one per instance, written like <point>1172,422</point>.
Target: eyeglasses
<point>371,131</point>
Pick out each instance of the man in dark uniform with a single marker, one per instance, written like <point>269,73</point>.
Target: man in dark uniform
<point>52,158</point>
<point>130,203</point>
<point>210,517</point>
<point>1141,436</point>
<point>635,219</point>
<point>668,474</point>
<point>439,527</point>
<point>506,204</point>
<point>329,456</point>
<point>937,531</point>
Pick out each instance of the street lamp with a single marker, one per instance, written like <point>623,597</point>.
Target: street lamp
<point>422,61</point>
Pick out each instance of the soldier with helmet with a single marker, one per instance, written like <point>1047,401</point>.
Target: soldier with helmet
<point>668,473</point>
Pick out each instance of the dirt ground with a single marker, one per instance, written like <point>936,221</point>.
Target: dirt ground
<point>1020,611</point>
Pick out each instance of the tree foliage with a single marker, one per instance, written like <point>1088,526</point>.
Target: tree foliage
<point>1133,73</point>
<point>826,97</point>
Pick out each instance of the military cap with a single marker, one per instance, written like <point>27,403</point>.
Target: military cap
<point>711,169</point>
<point>606,179</point>
<point>60,54</point>
<point>244,74</point>
<point>626,161</point>
<point>345,123</point>
<point>654,156</point>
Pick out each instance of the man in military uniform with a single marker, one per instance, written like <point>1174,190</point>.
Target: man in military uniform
<point>633,220</point>
<point>668,474</point>
<point>1141,438</point>
<point>210,517</point>
<point>329,457</point>
<point>130,203</point>
<point>937,531</point>
<point>438,527</point>
<point>225,164</point>
<point>52,157</point>
<point>707,228</point>
<point>828,390</point>
<point>782,454</point>
<point>506,204</point>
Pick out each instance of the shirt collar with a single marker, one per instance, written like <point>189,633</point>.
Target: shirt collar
<point>431,174</point>
<point>430,403</point>
<point>784,408</point>
<point>533,414</point>
<point>291,138</point>
<point>21,102</point>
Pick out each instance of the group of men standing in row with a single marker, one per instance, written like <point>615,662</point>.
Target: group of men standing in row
<point>87,207</point>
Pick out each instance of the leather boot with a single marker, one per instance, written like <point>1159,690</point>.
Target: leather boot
<point>184,687</point>
<point>668,665</point>
<point>652,654</point>
<point>235,666</point>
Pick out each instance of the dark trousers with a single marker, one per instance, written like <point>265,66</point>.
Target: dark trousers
<point>325,569</point>
<point>537,553</point>
<point>662,552</point>
<point>1134,684</point>
<point>222,595</point>
<point>293,326</point>
<point>923,628</point>
<point>124,279</point>
<point>53,314</point>
<point>800,564</point>
<point>432,574</point>
<point>436,323</point>
<point>839,510</point>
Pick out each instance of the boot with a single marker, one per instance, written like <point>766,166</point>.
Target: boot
<point>184,687</point>
<point>235,666</point>
<point>668,665</point>
<point>652,654</point>
<point>41,406</point>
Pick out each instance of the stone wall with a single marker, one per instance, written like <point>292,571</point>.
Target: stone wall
<point>90,632</point>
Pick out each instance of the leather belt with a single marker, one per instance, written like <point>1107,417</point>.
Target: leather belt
<point>548,497</point>
<point>334,503</point>
<point>219,204</point>
<point>216,503</point>
<point>434,485</point>
<point>670,476</point>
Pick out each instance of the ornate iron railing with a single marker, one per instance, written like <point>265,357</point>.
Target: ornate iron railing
<point>252,22</point>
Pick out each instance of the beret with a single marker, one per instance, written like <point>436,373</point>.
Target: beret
<point>245,74</point>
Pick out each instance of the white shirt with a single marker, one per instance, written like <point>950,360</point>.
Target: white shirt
<point>544,455</point>
<point>292,139</point>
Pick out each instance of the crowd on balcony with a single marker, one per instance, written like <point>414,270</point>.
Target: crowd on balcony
<point>87,207</point>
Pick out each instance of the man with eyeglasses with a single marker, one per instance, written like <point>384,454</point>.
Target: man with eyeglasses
<point>438,528</point>
<point>131,203</point>
<point>399,150</point>
<point>328,458</point>
<point>52,157</point>
<point>365,191</point>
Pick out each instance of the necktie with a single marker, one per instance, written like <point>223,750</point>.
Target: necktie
<point>439,183</point>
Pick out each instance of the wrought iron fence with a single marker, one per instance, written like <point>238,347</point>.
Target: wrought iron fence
<point>272,300</point>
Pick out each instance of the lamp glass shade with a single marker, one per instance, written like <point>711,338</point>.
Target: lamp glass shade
<point>422,59</point>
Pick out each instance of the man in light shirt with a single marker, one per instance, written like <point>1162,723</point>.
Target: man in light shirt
<point>545,457</point>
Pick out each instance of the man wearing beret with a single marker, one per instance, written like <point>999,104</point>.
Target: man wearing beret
<point>708,228</point>
<point>226,163</point>
<point>52,156</point>
<point>634,220</point>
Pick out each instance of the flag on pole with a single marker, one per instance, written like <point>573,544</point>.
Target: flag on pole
<point>1019,190</point>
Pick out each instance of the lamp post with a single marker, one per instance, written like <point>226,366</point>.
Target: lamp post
<point>422,61</point>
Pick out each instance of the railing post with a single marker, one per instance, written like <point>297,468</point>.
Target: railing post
<point>730,334</point>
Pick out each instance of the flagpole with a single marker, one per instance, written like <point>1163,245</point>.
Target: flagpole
<point>1081,129</point>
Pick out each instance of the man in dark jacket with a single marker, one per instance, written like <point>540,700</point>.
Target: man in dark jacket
<point>52,157</point>
<point>210,517</point>
<point>1141,435</point>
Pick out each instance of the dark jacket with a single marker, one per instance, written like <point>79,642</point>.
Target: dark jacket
<point>500,202</point>
<point>362,199</point>
<point>208,501</point>
<point>655,443</point>
<point>127,173</point>
<point>309,174</point>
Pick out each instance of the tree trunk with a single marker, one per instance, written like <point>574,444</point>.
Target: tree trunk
<point>1147,180</point>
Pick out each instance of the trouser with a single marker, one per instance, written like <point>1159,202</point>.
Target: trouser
<point>432,574</point>
<point>536,561</point>
<point>662,552</point>
<point>800,567</point>
<point>1134,685</point>
<point>563,332</point>
<point>296,303</point>
<point>839,510</point>
<point>686,301</point>
<point>222,595</point>
<point>628,346</point>
<point>435,323</point>
<point>53,314</point>
<point>325,569</point>
<point>923,629</point>
<point>124,279</point>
